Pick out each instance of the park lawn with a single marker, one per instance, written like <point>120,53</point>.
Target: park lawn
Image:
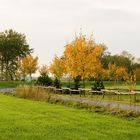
<point>22,119</point>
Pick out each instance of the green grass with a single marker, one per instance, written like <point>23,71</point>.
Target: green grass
<point>22,119</point>
<point>121,85</point>
<point>108,84</point>
<point>13,84</point>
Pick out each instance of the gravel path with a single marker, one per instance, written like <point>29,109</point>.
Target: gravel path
<point>103,103</point>
<point>4,90</point>
<point>94,102</point>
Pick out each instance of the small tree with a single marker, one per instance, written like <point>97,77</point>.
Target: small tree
<point>44,79</point>
<point>112,72</point>
<point>121,73</point>
<point>57,83</point>
<point>131,82</point>
<point>98,85</point>
<point>22,71</point>
<point>44,70</point>
<point>58,69</point>
<point>29,65</point>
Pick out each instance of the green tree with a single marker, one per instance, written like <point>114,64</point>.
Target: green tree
<point>13,47</point>
<point>44,80</point>
<point>118,60</point>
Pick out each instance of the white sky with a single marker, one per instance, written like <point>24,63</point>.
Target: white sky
<point>50,24</point>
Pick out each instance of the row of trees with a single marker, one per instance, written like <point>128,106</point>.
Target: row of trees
<point>15,56</point>
<point>83,59</point>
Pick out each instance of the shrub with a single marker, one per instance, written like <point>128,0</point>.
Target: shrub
<point>44,80</point>
<point>57,83</point>
<point>31,92</point>
<point>98,85</point>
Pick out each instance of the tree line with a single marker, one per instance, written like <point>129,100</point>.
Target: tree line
<point>83,59</point>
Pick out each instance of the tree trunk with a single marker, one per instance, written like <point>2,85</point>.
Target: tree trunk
<point>30,76</point>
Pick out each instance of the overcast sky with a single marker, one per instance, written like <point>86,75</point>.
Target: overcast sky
<point>50,24</point>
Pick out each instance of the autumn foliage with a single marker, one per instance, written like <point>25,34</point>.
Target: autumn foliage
<point>58,67</point>
<point>44,70</point>
<point>83,57</point>
<point>28,65</point>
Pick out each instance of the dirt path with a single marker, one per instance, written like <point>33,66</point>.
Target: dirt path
<point>103,103</point>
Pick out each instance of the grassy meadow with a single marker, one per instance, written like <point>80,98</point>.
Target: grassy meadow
<point>33,120</point>
<point>121,85</point>
<point>13,84</point>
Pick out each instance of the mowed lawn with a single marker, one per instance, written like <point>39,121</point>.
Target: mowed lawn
<point>33,120</point>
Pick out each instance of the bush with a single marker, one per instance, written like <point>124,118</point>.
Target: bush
<point>98,85</point>
<point>44,80</point>
<point>31,92</point>
<point>57,83</point>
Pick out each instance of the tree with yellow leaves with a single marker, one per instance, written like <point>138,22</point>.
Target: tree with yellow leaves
<point>131,81</point>
<point>44,78</point>
<point>112,71</point>
<point>83,57</point>
<point>58,69</point>
<point>22,71</point>
<point>117,73</point>
<point>44,70</point>
<point>28,66</point>
<point>137,73</point>
<point>121,73</point>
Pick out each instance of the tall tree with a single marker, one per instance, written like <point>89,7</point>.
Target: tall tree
<point>83,57</point>
<point>13,47</point>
